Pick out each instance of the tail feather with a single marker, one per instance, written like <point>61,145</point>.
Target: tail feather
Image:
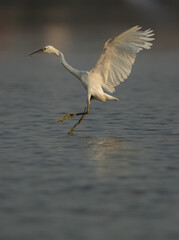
<point>110,98</point>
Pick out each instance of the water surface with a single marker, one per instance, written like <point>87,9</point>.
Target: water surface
<point>116,177</point>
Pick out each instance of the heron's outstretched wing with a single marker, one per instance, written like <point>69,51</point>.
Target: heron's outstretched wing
<point>118,55</point>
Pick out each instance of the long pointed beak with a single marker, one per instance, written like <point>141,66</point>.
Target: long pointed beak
<point>36,52</point>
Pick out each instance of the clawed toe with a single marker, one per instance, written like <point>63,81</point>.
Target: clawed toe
<point>67,116</point>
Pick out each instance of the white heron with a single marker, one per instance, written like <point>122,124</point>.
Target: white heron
<point>113,66</point>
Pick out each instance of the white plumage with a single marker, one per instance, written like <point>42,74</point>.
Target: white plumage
<point>118,56</point>
<point>113,66</point>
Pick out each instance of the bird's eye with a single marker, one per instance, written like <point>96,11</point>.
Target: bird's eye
<point>44,48</point>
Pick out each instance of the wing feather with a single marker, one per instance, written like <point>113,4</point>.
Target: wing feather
<point>118,55</point>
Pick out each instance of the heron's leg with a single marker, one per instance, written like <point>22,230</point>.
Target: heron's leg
<point>81,119</point>
<point>71,115</point>
<point>83,115</point>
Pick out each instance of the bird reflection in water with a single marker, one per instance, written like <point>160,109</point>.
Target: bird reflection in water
<point>109,148</point>
<point>110,153</point>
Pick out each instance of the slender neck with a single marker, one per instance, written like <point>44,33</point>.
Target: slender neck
<point>74,71</point>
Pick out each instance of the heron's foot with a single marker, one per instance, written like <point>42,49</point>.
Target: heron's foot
<point>67,116</point>
<point>71,131</point>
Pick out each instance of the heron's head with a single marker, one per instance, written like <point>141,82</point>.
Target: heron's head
<point>47,49</point>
